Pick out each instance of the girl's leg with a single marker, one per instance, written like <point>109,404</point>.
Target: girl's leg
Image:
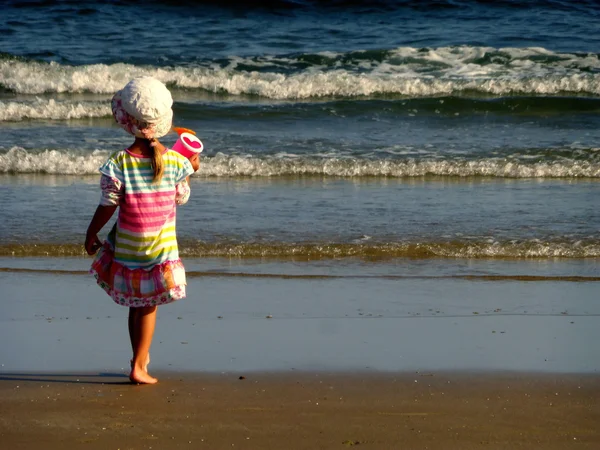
<point>132,323</point>
<point>141,332</point>
<point>131,326</point>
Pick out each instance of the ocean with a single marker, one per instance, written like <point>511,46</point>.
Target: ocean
<point>340,131</point>
<point>387,185</point>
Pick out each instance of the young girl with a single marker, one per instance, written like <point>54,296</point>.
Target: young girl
<point>138,265</point>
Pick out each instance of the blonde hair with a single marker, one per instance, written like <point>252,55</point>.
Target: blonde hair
<point>157,161</point>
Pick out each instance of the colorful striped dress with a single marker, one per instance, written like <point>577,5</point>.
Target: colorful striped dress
<point>139,263</point>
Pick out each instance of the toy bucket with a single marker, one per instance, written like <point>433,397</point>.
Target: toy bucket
<point>188,145</point>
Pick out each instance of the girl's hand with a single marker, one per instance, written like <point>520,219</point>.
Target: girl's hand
<point>195,160</point>
<point>92,244</point>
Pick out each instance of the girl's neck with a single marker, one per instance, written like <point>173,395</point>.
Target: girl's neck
<point>142,147</point>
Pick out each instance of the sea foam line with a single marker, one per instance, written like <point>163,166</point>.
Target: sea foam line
<point>525,249</point>
<point>223,165</point>
<point>20,161</point>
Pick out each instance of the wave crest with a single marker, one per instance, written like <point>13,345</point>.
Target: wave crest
<point>406,71</point>
<point>42,109</point>
<point>223,165</point>
<point>20,161</point>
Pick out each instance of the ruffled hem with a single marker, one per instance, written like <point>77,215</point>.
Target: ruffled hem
<point>136,288</point>
<point>177,293</point>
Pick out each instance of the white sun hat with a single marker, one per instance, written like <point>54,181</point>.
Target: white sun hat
<point>143,108</point>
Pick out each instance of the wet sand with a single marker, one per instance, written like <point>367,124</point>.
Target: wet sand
<point>301,411</point>
<point>61,321</point>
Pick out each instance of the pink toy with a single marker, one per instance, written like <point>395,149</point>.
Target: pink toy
<point>188,144</point>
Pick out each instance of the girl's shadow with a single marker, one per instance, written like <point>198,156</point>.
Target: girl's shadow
<point>68,378</point>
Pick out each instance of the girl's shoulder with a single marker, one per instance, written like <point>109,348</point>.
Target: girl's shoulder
<point>175,158</point>
<point>115,164</point>
<point>117,156</point>
<point>172,154</point>
<point>126,158</point>
<point>178,163</point>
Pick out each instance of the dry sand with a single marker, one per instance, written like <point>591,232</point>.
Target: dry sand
<point>301,411</point>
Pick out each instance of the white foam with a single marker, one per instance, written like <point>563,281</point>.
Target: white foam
<point>19,160</point>
<point>52,109</point>
<point>222,165</point>
<point>527,249</point>
<point>70,162</point>
<point>406,71</point>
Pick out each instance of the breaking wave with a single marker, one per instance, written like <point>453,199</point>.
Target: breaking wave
<point>404,71</point>
<point>50,109</point>
<point>560,163</point>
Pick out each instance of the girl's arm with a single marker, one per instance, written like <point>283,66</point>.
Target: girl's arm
<point>195,161</point>
<point>182,192</point>
<point>101,217</point>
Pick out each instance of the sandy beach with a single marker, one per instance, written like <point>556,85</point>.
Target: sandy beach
<point>276,359</point>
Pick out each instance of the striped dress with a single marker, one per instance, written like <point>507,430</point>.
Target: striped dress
<point>139,263</point>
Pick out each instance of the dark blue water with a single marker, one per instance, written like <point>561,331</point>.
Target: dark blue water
<point>177,32</point>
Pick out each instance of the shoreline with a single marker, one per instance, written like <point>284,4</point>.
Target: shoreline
<point>286,276</point>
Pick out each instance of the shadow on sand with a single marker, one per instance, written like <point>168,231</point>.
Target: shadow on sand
<point>69,378</point>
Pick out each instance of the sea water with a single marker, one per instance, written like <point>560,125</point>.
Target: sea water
<point>365,160</point>
<point>453,129</point>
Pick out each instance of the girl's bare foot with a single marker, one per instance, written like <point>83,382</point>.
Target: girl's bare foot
<point>140,376</point>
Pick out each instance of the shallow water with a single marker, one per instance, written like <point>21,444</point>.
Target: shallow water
<point>377,130</point>
<point>326,217</point>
